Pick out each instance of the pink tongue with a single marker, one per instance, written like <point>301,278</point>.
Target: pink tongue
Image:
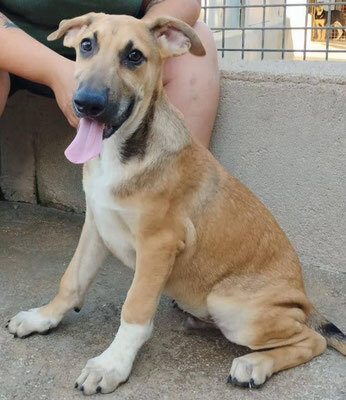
<point>87,142</point>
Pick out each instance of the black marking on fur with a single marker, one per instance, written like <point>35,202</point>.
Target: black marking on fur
<point>98,389</point>
<point>28,335</point>
<point>94,49</point>
<point>330,330</point>
<point>136,144</point>
<point>95,43</point>
<point>251,384</point>
<point>235,382</point>
<point>76,385</point>
<point>126,114</point>
<point>15,335</point>
<point>124,53</point>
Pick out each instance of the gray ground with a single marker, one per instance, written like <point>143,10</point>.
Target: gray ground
<point>36,245</point>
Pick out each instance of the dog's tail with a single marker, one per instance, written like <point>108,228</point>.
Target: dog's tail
<point>335,338</point>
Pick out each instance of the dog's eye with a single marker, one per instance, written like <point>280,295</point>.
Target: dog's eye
<point>86,45</point>
<point>135,56</point>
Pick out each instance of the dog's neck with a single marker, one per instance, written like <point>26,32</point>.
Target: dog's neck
<point>158,128</point>
<point>155,136</point>
<point>321,15</point>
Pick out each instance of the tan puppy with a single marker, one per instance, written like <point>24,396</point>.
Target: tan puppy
<point>166,208</point>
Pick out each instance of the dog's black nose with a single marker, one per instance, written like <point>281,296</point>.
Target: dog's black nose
<point>90,103</point>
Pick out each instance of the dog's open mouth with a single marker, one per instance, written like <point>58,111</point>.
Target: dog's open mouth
<point>90,134</point>
<point>87,142</point>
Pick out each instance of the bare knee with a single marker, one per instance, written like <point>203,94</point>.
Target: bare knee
<point>207,38</point>
<point>192,85</point>
<point>186,65</point>
<point>4,89</point>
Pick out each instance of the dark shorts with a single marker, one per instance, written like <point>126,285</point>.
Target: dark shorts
<point>18,83</point>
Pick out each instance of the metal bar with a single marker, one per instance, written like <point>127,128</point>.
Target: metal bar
<point>205,11</point>
<point>305,31</point>
<point>263,25</point>
<point>334,3</point>
<point>283,32</point>
<point>328,31</point>
<point>242,28</point>
<point>242,24</point>
<point>277,28</point>
<point>286,50</point>
<point>223,25</point>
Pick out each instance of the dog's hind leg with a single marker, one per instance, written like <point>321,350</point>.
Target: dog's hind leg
<point>268,319</point>
<point>340,31</point>
<point>87,260</point>
<point>253,369</point>
<point>192,323</point>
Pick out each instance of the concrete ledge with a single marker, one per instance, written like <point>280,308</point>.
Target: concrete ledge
<point>313,72</point>
<point>280,129</point>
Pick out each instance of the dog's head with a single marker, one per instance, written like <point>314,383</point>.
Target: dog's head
<point>319,11</point>
<point>119,62</point>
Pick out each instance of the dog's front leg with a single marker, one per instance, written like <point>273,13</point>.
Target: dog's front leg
<point>88,258</point>
<point>324,33</point>
<point>155,258</point>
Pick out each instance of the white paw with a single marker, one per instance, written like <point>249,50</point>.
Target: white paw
<point>251,370</point>
<point>27,322</point>
<point>103,374</point>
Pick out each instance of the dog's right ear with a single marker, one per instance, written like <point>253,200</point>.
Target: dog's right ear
<point>175,37</point>
<point>69,28</point>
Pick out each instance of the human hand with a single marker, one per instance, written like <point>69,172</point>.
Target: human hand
<point>63,85</point>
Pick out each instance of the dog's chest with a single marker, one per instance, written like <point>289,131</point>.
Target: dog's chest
<point>114,221</point>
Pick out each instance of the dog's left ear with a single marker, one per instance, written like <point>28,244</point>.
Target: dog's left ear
<point>175,37</point>
<point>69,28</point>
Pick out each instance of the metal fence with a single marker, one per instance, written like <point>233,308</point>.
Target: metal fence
<point>278,29</point>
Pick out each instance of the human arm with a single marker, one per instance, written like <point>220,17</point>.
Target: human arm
<point>22,55</point>
<point>186,10</point>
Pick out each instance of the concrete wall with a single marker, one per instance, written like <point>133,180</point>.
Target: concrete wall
<point>33,136</point>
<point>280,129</point>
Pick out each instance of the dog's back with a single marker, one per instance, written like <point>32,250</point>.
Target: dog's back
<point>338,16</point>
